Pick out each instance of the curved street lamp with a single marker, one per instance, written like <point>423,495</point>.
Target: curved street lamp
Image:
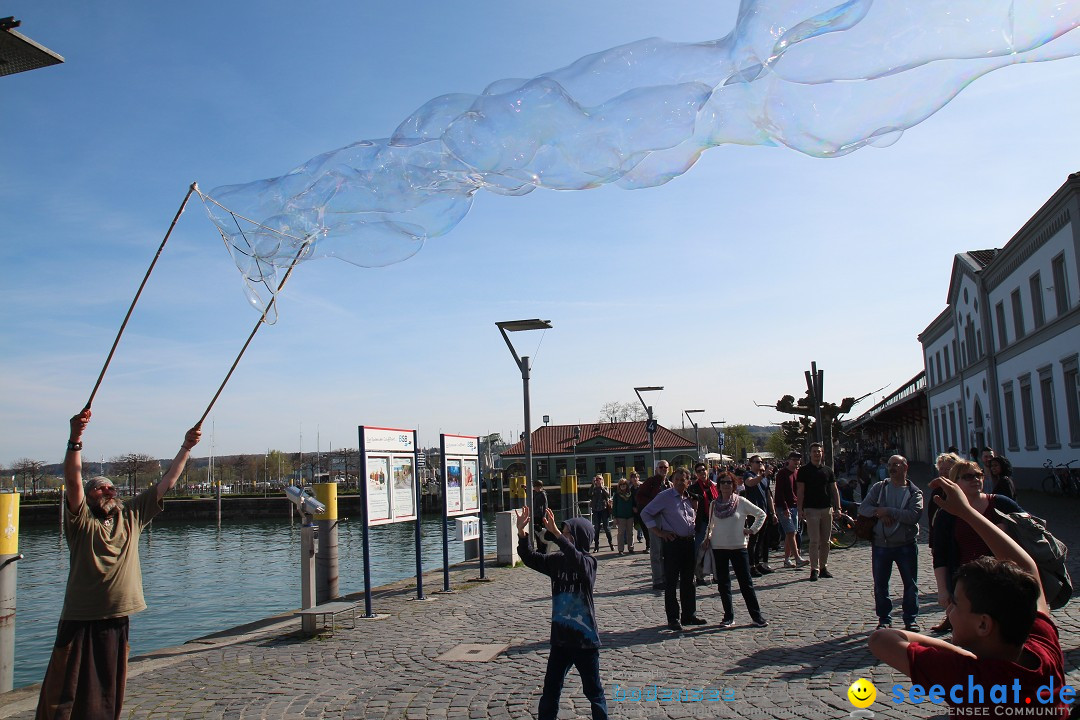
<point>523,366</point>
<point>650,426</point>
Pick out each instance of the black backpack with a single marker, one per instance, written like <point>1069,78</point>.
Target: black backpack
<point>1047,551</point>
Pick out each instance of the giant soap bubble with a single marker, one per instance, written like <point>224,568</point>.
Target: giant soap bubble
<point>822,78</point>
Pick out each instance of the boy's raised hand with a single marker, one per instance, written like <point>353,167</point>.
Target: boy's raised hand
<point>549,523</point>
<point>954,501</point>
<point>523,519</point>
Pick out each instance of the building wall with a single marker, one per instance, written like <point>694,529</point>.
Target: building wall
<point>1017,389</point>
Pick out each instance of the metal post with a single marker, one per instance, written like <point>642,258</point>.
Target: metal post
<point>529,495</point>
<point>9,555</point>
<point>326,556</point>
<point>307,572</point>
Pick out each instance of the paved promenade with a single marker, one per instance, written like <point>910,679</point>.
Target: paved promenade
<point>798,667</point>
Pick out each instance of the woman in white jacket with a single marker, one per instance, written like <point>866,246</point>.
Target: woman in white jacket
<point>726,535</point>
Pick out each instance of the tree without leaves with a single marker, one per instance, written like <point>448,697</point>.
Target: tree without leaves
<point>621,412</point>
<point>31,470</point>
<point>136,467</point>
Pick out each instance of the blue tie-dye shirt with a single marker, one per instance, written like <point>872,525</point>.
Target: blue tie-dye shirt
<point>573,573</point>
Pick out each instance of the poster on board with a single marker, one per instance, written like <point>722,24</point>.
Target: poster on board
<point>378,489</point>
<point>453,486</point>
<point>470,490</point>
<point>461,472</point>
<point>387,462</point>
<point>404,488</point>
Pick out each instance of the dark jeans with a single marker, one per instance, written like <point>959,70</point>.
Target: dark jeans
<point>740,562</point>
<point>679,573</point>
<point>587,663</point>
<point>906,558</point>
<point>758,546</point>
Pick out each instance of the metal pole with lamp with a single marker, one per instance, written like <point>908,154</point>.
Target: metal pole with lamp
<point>650,426</point>
<point>697,442</point>
<point>523,365</point>
<point>717,425</point>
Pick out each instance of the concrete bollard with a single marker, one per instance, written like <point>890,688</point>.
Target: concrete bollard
<point>506,538</point>
<point>326,557</point>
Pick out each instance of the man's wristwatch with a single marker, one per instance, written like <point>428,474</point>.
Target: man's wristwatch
<point>74,446</point>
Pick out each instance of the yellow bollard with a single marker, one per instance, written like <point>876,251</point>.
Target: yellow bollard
<point>9,555</point>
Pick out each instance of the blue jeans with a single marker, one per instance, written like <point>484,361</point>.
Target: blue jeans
<point>906,558</point>
<point>587,662</point>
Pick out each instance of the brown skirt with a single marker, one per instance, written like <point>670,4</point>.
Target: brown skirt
<point>87,672</point>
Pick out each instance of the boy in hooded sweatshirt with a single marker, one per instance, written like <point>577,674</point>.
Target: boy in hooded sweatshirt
<point>574,637</point>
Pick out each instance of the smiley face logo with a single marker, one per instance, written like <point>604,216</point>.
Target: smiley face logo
<point>862,693</point>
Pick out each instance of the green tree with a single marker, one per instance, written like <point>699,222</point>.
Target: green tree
<point>777,445</point>
<point>738,441</point>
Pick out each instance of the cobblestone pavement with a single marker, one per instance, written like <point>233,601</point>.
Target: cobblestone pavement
<point>798,667</point>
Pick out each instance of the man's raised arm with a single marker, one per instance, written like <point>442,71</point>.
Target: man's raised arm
<point>73,487</point>
<point>191,439</point>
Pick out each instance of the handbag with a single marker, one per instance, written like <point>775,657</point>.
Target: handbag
<point>864,526</point>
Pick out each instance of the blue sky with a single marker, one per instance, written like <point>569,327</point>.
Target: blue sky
<point>722,285</point>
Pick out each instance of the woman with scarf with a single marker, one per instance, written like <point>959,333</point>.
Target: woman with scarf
<point>726,536</point>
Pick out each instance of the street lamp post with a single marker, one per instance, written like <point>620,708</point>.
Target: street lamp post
<point>697,442</point>
<point>717,425</point>
<point>523,366</point>
<point>650,426</point>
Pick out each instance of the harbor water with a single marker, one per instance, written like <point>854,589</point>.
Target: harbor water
<point>200,579</point>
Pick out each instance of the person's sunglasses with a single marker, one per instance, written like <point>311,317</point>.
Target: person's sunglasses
<point>723,482</point>
<point>971,476</point>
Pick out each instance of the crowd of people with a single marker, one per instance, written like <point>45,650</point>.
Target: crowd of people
<point>714,521</point>
<point>694,523</point>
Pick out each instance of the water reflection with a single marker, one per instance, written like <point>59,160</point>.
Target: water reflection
<point>200,579</point>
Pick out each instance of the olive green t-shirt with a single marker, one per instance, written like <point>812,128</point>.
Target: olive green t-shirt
<point>104,577</point>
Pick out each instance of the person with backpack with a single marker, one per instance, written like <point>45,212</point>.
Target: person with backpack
<point>1003,635</point>
<point>955,542</point>
<point>897,504</point>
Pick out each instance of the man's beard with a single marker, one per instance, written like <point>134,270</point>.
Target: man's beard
<point>104,509</point>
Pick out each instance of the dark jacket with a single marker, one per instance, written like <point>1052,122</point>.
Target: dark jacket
<point>648,491</point>
<point>573,574</point>
<point>946,553</point>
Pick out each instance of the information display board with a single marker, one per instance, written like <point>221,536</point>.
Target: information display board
<point>387,467</point>
<point>461,479</point>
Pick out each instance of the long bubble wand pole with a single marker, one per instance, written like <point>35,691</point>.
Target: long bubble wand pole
<point>262,318</point>
<point>194,188</point>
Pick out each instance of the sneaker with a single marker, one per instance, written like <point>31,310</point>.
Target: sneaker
<point>759,622</point>
<point>765,569</point>
<point>788,563</point>
<point>825,573</point>
<point>884,624</point>
<point>802,562</point>
<point>674,625</point>
<point>727,622</point>
<point>813,576</point>
<point>754,572</point>
<point>695,620</point>
<point>912,627</point>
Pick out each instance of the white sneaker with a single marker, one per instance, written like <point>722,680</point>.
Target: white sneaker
<point>788,563</point>
<point>802,563</point>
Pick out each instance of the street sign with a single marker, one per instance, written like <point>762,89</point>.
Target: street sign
<point>650,427</point>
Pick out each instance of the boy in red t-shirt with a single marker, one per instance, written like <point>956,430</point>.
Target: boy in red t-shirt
<point>1007,647</point>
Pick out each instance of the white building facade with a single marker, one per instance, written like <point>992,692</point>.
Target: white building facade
<point>1002,358</point>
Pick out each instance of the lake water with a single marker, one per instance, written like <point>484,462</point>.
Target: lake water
<point>200,579</point>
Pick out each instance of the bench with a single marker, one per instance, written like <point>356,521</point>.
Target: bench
<point>330,610</point>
